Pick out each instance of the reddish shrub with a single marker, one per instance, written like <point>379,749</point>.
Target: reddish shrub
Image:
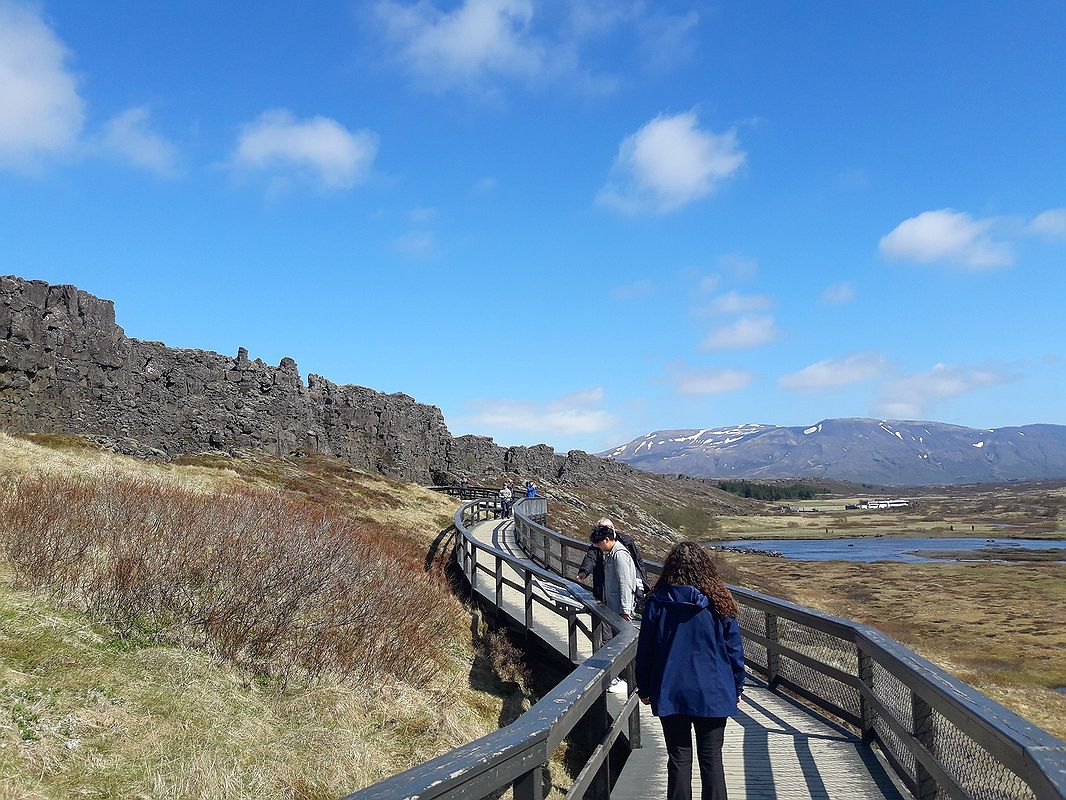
<point>281,586</point>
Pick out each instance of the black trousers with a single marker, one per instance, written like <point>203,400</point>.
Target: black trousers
<point>710,734</point>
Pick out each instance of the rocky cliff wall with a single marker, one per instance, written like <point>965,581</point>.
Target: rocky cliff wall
<point>67,367</point>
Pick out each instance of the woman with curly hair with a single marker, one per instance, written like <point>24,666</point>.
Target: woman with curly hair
<point>690,667</point>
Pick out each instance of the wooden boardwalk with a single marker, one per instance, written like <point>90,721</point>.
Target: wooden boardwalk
<point>775,749</point>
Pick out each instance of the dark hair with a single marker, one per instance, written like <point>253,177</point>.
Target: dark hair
<point>601,532</point>
<point>688,564</point>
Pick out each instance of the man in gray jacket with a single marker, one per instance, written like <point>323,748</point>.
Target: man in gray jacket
<point>619,580</point>
<point>619,572</point>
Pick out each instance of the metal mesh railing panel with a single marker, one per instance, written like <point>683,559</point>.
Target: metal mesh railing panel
<point>825,648</point>
<point>895,696</point>
<point>975,769</point>
<point>819,685</point>
<point>754,620</point>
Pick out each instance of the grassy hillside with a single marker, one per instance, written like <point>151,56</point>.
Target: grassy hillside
<point>147,650</point>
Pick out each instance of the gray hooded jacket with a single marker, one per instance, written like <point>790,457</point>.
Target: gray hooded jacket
<point>620,580</point>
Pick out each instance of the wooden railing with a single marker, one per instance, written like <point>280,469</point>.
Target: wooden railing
<point>944,739</point>
<point>514,756</point>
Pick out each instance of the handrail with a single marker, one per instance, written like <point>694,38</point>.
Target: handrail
<point>942,737</point>
<point>514,755</point>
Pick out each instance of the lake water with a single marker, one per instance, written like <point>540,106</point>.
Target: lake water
<point>885,548</point>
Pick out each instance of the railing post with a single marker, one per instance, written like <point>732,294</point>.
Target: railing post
<point>772,657</point>
<point>473,571</point>
<point>529,786</point>
<point>499,582</point>
<point>866,709</point>
<point>528,585</point>
<point>922,716</point>
<point>599,722</point>
<point>630,675</point>
<point>571,635</point>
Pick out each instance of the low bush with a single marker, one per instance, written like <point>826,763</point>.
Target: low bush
<point>283,587</point>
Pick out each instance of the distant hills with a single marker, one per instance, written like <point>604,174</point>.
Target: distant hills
<point>884,452</point>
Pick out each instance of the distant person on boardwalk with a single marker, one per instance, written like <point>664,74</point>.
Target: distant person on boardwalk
<point>592,563</point>
<point>531,489</point>
<point>506,499</point>
<point>690,667</point>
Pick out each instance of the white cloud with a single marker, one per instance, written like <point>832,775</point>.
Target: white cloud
<point>911,396</point>
<point>129,137</point>
<point>416,244</point>
<point>669,163</point>
<point>478,40</point>
<point>744,334</point>
<point>946,235</point>
<point>1050,224</point>
<point>736,303</point>
<point>839,293</point>
<point>633,291</point>
<point>835,372</point>
<point>41,113</point>
<point>319,149</point>
<point>709,381</point>
<point>577,413</point>
<point>486,185</point>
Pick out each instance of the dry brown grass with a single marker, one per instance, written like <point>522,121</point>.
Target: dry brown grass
<point>108,705</point>
<point>284,587</point>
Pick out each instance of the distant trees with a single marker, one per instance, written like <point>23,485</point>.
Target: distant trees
<point>770,491</point>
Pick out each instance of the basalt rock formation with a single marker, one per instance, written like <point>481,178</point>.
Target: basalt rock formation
<point>67,367</point>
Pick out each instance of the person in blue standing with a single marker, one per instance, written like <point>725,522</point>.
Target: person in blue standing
<point>531,489</point>
<point>690,667</point>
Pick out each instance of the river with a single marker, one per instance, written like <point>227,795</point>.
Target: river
<point>887,548</point>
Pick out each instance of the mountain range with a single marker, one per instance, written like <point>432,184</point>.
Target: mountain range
<point>883,452</point>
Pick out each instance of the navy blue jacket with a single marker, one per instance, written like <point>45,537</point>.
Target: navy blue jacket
<point>689,660</point>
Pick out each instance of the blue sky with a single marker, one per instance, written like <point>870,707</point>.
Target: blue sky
<point>569,222</point>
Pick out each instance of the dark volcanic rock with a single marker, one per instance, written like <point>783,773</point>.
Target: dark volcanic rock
<point>67,367</point>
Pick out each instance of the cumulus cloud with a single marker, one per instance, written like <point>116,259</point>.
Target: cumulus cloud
<point>835,372</point>
<point>129,136</point>
<point>709,381</point>
<point>912,396</point>
<point>736,303</point>
<point>946,235</point>
<point>839,293</point>
<point>669,163</point>
<point>744,334</point>
<point>319,150</point>
<point>476,41</point>
<point>633,291</point>
<point>1050,224</point>
<point>572,414</point>
<point>41,113</point>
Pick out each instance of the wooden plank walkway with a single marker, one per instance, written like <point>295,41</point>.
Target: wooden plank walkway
<point>775,749</point>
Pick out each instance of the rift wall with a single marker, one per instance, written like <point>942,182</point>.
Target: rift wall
<point>67,367</point>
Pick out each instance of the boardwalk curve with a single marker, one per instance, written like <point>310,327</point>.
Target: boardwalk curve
<point>862,694</point>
